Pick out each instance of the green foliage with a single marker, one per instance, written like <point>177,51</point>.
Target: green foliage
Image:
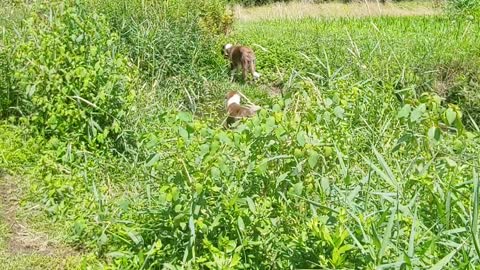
<point>210,15</point>
<point>375,49</point>
<point>5,76</point>
<point>173,43</point>
<point>469,8</point>
<point>288,188</point>
<point>357,163</point>
<point>214,17</point>
<point>67,78</point>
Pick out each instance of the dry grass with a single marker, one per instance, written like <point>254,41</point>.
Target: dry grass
<point>296,10</point>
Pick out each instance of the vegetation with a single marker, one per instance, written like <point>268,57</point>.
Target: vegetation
<point>300,10</point>
<point>75,84</point>
<point>470,8</point>
<point>255,2</point>
<point>264,2</point>
<point>365,153</point>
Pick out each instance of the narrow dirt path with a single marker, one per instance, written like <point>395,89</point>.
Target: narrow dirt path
<point>23,247</point>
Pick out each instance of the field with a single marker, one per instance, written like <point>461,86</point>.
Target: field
<point>305,9</point>
<point>113,154</point>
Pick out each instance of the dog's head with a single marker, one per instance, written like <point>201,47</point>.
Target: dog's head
<point>232,97</point>
<point>226,50</point>
<point>231,94</point>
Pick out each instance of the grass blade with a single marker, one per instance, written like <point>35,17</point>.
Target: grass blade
<point>443,262</point>
<point>379,171</point>
<point>387,234</point>
<point>344,169</point>
<point>385,166</point>
<point>411,241</point>
<point>475,213</point>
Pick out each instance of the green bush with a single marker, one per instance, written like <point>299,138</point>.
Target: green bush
<point>124,14</point>
<point>215,18</point>
<point>68,78</point>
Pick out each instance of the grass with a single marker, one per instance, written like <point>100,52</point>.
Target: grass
<point>399,53</point>
<point>21,244</point>
<point>372,43</point>
<point>3,231</point>
<point>299,10</point>
<point>34,262</point>
<point>360,161</point>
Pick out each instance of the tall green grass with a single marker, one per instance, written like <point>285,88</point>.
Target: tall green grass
<point>358,164</point>
<point>173,43</point>
<point>426,54</point>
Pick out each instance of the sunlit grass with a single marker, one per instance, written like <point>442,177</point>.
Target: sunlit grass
<point>297,10</point>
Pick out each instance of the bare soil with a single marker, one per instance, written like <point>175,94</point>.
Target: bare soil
<point>21,239</point>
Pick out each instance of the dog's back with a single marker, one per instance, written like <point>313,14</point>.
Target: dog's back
<point>235,110</point>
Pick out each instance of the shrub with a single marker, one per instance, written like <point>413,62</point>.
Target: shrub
<point>164,13</point>
<point>204,197</point>
<point>215,18</point>
<point>69,80</point>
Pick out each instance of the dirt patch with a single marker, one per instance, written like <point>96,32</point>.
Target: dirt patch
<point>275,90</point>
<point>272,90</point>
<point>22,240</point>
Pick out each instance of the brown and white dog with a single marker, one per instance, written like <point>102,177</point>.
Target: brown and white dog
<point>241,56</point>
<point>235,111</point>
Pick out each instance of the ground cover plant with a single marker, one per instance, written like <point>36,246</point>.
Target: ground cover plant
<point>365,154</point>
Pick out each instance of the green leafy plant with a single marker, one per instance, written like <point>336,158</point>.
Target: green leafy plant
<point>68,78</point>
